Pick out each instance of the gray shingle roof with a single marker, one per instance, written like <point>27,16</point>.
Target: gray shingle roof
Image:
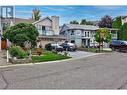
<point>85,27</point>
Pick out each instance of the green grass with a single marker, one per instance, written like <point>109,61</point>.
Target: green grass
<point>49,56</point>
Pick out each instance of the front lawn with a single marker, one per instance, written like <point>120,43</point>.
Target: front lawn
<point>48,56</point>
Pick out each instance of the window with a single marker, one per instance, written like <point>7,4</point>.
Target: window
<point>72,41</point>
<point>43,27</point>
<point>88,34</point>
<point>85,34</point>
<point>72,32</point>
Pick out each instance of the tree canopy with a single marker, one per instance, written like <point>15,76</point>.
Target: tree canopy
<point>74,22</point>
<point>117,23</point>
<point>106,22</point>
<point>85,22</point>
<point>123,32</point>
<point>20,33</point>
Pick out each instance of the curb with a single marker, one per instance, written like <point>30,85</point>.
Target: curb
<point>57,61</point>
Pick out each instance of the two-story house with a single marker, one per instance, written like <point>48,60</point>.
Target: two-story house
<point>47,27</point>
<point>83,35</point>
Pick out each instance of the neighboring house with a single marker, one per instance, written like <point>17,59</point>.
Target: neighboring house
<point>124,19</point>
<point>47,27</point>
<point>83,35</point>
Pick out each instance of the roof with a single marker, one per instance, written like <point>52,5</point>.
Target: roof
<point>22,20</point>
<point>81,27</point>
<point>19,20</point>
<point>123,17</point>
<point>42,20</point>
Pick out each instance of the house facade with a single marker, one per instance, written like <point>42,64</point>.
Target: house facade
<point>124,19</point>
<point>83,35</point>
<point>47,27</point>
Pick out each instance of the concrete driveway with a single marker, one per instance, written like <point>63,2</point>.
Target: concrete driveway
<point>81,54</point>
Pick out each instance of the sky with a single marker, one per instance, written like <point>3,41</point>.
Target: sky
<point>69,13</point>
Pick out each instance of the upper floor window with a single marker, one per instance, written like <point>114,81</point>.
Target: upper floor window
<point>72,32</point>
<point>85,34</point>
<point>43,28</point>
<point>88,34</point>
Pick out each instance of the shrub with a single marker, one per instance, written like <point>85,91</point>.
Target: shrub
<point>17,51</point>
<point>20,33</point>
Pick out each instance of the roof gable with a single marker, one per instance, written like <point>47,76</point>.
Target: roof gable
<point>42,20</point>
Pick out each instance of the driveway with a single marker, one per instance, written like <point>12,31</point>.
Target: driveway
<point>105,71</point>
<point>81,54</point>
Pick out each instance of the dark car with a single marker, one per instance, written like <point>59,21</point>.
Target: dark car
<point>119,45</point>
<point>69,46</point>
<point>56,47</point>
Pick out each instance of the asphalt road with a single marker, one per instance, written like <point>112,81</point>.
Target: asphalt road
<point>105,71</point>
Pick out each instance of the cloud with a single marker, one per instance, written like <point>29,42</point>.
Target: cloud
<point>24,12</point>
<point>109,7</point>
<point>59,8</point>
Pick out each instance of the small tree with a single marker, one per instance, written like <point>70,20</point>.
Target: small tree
<point>103,35</point>
<point>20,33</point>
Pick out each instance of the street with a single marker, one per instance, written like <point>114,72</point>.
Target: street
<point>104,71</point>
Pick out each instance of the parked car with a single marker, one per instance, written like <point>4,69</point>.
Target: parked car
<point>57,47</point>
<point>119,45</point>
<point>69,46</point>
<point>51,46</point>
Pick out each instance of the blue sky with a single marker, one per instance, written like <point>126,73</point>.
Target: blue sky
<point>68,13</point>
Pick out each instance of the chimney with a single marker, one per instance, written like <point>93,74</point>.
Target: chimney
<point>55,24</point>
